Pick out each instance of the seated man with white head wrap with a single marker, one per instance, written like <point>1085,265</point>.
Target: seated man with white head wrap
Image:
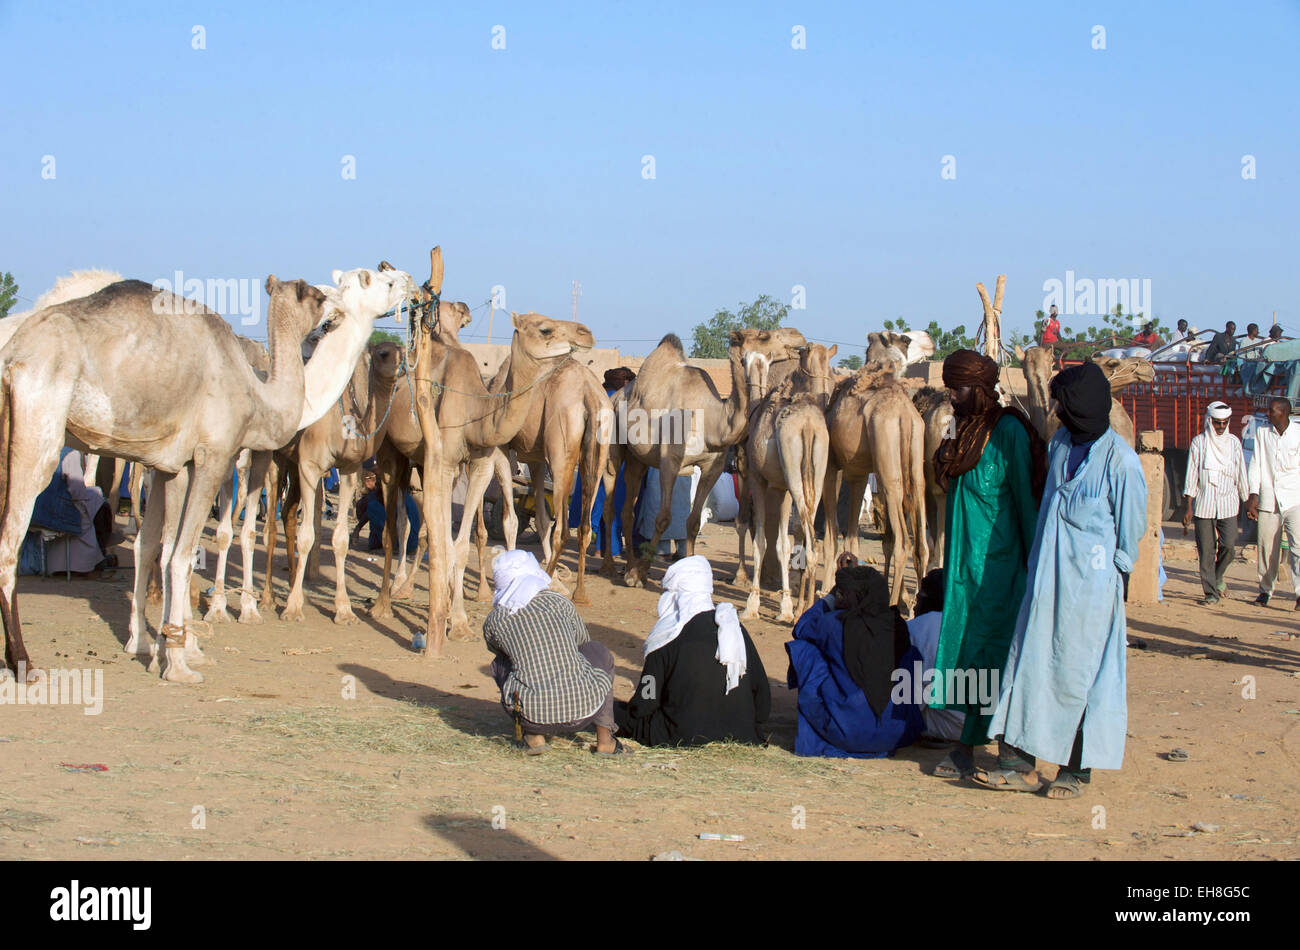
<point>1216,485</point>
<point>703,680</point>
<point>552,675</point>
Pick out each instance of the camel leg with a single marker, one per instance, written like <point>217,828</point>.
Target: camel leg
<point>482,595</point>
<point>852,530</point>
<point>610,479</point>
<point>480,473</point>
<point>289,514</point>
<point>404,576</point>
<point>635,572</point>
<point>148,545</point>
<point>783,547</point>
<point>542,519</point>
<point>225,534</point>
<point>561,491</point>
<point>313,574</point>
<point>270,530</point>
<point>137,488</point>
<point>181,646</point>
<point>119,469</point>
<point>247,505</point>
<point>31,434</point>
<point>830,497</point>
<point>391,474</point>
<point>308,482</point>
<point>342,604</point>
<point>592,470</point>
<point>708,478</point>
<point>939,520</point>
<point>759,513</point>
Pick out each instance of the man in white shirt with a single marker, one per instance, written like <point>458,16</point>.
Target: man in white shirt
<point>1274,483</point>
<point>1216,485</point>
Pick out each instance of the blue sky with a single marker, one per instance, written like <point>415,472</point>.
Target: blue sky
<point>774,167</point>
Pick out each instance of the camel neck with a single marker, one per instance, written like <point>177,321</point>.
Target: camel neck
<point>331,365</point>
<point>284,385</point>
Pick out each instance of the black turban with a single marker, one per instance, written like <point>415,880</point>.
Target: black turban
<point>875,635</point>
<point>1083,395</point>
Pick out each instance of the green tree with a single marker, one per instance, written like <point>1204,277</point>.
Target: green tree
<point>384,336</point>
<point>851,362</point>
<point>947,342</point>
<point>8,293</point>
<point>709,340</point>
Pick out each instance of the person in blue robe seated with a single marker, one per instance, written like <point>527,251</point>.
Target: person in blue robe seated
<point>845,650</point>
<point>703,680</point>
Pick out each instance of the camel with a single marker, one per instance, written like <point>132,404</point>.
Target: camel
<point>935,407</point>
<point>875,428</point>
<point>461,421</point>
<point>187,421</point>
<point>568,424</point>
<point>343,440</point>
<point>671,418</point>
<point>1121,371</point>
<point>763,373</point>
<point>903,348</point>
<point>787,452</point>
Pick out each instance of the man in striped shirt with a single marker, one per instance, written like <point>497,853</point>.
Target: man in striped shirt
<point>1216,485</point>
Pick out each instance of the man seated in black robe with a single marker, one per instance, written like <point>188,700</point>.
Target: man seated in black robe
<point>703,680</point>
<point>1223,344</point>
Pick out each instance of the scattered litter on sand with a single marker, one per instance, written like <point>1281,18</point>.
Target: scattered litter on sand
<point>91,767</point>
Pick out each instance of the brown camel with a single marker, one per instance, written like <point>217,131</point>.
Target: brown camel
<point>1038,363</point>
<point>763,373</point>
<point>875,428</point>
<point>935,408</point>
<point>568,425</point>
<point>671,418</point>
<point>188,422</point>
<point>343,438</point>
<point>461,421</point>
<point>787,452</point>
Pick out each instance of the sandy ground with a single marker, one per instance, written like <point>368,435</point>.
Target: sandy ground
<point>270,759</point>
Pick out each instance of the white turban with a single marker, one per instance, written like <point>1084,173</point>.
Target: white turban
<point>688,590</point>
<point>518,579</point>
<point>1218,450</point>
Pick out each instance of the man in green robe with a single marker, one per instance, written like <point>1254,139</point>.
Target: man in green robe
<point>994,465</point>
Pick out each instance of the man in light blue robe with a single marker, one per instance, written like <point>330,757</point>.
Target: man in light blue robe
<point>1063,693</point>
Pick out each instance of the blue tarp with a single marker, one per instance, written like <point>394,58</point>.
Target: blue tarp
<point>54,511</point>
<point>1259,376</point>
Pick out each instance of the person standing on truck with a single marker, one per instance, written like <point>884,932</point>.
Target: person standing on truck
<point>1223,345</point>
<point>1274,483</point>
<point>1052,331</point>
<point>1216,485</point>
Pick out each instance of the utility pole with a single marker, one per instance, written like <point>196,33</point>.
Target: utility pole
<point>577,292</point>
<point>492,312</point>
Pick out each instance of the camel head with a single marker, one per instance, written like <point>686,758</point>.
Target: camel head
<point>815,366</point>
<point>386,361</point>
<point>453,316</point>
<point>1125,371</point>
<point>368,294</point>
<point>544,338</point>
<point>296,302</point>
<point>781,343</point>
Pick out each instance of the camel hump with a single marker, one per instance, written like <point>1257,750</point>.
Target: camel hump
<point>673,340</point>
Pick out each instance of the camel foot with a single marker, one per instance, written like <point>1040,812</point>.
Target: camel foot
<point>580,598</point>
<point>135,647</point>
<point>635,576</point>
<point>248,612</point>
<point>461,632</point>
<point>404,590</point>
<point>752,604</point>
<point>216,612</point>
<point>484,594</point>
<point>198,659</point>
<point>382,608</point>
<point>740,579</point>
<point>343,614</point>
<point>292,612</point>
<point>188,676</point>
<point>786,614</point>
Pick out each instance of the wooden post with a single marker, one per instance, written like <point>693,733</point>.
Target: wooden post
<point>1144,583</point>
<point>492,312</point>
<point>993,318</point>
